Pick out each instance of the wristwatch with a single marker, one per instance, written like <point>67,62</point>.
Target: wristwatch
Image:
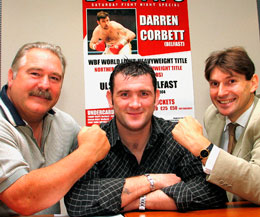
<point>142,203</point>
<point>150,179</point>
<point>205,152</point>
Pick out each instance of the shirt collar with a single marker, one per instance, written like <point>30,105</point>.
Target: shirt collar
<point>10,111</point>
<point>156,131</point>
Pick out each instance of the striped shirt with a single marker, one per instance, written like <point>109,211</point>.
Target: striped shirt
<point>99,191</point>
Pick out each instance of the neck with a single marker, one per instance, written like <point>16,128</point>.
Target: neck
<point>135,141</point>
<point>37,130</point>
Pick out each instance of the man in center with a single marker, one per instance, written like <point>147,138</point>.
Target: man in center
<point>145,167</point>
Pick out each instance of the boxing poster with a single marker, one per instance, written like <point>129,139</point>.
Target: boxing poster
<point>154,31</point>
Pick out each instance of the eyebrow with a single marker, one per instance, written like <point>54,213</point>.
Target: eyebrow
<point>40,69</point>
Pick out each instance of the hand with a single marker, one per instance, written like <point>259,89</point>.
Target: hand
<point>116,48</point>
<point>189,133</point>
<point>94,141</point>
<point>165,180</point>
<point>100,46</point>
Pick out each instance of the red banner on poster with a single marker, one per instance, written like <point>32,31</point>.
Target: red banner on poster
<point>158,33</point>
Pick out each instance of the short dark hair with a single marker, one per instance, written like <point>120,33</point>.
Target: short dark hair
<point>102,15</point>
<point>132,68</point>
<point>231,59</point>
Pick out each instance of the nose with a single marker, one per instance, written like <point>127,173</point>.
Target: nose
<point>44,83</point>
<point>222,90</point>
<point>135,102</point>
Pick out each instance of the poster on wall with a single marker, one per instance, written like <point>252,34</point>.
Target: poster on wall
<point>157,32</point>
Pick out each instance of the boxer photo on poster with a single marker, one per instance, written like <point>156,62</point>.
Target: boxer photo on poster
<point>111,31</point>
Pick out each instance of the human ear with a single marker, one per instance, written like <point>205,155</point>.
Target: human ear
<point>109,98</point>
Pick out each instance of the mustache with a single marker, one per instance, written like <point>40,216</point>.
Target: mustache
<point>41,93</point>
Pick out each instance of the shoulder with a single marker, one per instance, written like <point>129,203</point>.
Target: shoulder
<point>115,24</point>
<point>210,113</point>
<point>257,107</point>
<point>163,126</point>
<point>7,128</point>
<point>63,119</point>
<point>108,126</point>
<point>97,30</point>
<point>213,119</point>
<point>254,120</point>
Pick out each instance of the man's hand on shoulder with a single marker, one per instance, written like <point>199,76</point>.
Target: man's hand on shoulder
<point>94,141</point>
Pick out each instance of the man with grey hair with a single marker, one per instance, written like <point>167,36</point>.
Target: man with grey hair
<point>36,138</point>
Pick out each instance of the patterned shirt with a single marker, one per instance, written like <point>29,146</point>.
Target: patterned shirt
<point>98,192</point>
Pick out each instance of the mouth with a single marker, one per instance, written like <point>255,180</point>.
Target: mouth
<point>226,102</point>
<point>134,114</point>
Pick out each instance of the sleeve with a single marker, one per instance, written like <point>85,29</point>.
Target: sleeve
<point>245,178</point>
<point>211,160</point>
<point>93,195</point>
<point>194,192</point>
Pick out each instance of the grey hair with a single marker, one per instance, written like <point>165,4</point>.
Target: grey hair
<point>41,45</point>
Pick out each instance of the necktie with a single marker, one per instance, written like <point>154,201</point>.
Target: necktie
<point>231,137</point>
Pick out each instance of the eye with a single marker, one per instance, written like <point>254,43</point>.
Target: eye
<point>55,78</point>
<point>35,74</point>
<point>213,84</point>
<point>124,94</point>
<point>144,93</point>
<point>232,81</point>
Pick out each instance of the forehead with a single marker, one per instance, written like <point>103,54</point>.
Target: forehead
<point>104,19</point>
<point>39,57</point>
<point>219,74</point>
<point>122,81</point>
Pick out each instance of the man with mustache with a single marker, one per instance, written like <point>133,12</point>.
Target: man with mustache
<point>235,166</point>
<point>36,138</point>
<point>111,37</point>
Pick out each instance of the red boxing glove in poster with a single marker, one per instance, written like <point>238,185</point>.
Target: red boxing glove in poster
<point>100,46</point>
<point>116,48</point>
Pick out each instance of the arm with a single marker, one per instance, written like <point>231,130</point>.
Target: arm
<point>136,187</point>
<point>95,42</point>
<point>189,133</point>
<point>124,33</point>
<point>244,180</point>
<point>99,196</point>
<point>194,192</point>
<point>156,200</point>
<point>244,167</point>
<point>126,36</point>
<point>51,183</point>
<point>227,164</point>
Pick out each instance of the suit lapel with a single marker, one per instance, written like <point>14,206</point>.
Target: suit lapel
<point>217,124</point>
